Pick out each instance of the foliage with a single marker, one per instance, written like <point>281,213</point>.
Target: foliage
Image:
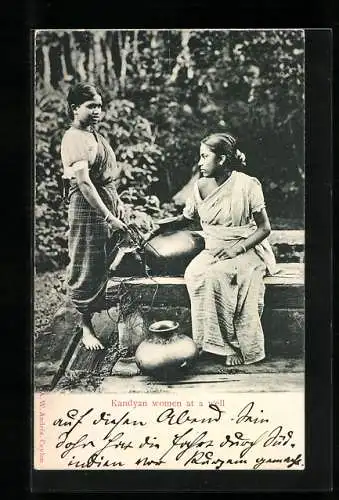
<point>134,144</point>
<point>163,91</point>
<point>138,156</point>
<point>50,209</point>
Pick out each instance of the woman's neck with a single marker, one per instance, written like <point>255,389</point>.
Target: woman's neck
<point>222,177</point>
<point>81,126</point>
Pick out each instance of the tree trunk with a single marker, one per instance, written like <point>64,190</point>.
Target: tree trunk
<point>135,46</point>
<point>124,52</point>
<point>226,51</point>
<point>91,66</point>
<point>99,62</point>
<point>63,67</point>
<point>73,52</point>
<point>183,59</point>
<point>66,50</point>
<point>120,46</point>
<point>47,67</point>
<point>66,76</point>
<point>111,77</point>
<point>154,41</point>
<point>81,66</point>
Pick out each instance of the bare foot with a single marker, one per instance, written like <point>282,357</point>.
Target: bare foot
<point>234,360</point>
<point>89,339</point>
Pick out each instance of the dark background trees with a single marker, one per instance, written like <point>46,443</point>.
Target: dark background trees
<point>163,91</point>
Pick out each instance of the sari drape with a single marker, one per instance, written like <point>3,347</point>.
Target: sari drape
<point>227,296</point>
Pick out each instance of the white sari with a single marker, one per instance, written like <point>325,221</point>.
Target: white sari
<point>227,296</point>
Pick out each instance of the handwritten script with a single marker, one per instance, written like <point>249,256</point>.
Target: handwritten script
<point>131,434</point>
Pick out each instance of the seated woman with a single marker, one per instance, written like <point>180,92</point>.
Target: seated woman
<point>225,280</point>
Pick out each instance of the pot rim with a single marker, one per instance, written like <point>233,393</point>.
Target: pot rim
<point>168,326</point>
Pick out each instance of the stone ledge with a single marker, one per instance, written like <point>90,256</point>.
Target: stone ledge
<point>287,237</point>
<point>284,290</point>
<point>288,274</point>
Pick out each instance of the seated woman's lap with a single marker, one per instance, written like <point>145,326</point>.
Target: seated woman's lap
<point>205,265</point>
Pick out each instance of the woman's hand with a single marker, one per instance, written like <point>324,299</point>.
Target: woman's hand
<point>115,223</point>
<point>227,253</point>
<point>120,210</point>
<point>91,195</point>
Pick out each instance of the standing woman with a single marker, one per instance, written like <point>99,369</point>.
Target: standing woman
<point>95,208</point>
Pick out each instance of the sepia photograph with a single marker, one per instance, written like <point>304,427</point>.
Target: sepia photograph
<point>169,232</point>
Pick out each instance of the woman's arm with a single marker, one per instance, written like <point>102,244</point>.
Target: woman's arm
<point>262,231</point>
<point>120,208</point>
<point>91,194</point>
<point>178,223</point>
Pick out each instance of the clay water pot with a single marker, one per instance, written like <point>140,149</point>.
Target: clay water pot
<point>166,353</point>
<point>171,252</point>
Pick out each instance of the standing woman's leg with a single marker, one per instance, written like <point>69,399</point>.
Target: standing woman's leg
<point>87,272</point>
<point>89,338</point>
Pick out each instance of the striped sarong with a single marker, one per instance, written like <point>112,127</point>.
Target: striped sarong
<point>89,239</point>
<point>89,243</point>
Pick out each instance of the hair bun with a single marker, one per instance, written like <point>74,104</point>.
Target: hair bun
<point>241,157</point>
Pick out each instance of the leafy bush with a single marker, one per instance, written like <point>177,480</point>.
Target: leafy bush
<point>50,209</point>
<point>248,82</point>
<point>138,157</point>
<point>163,91</point>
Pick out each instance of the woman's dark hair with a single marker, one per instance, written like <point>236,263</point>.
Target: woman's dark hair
<point>226,144</point>
<point>79,93</point>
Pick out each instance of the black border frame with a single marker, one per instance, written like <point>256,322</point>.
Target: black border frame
<point>318,398</point>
